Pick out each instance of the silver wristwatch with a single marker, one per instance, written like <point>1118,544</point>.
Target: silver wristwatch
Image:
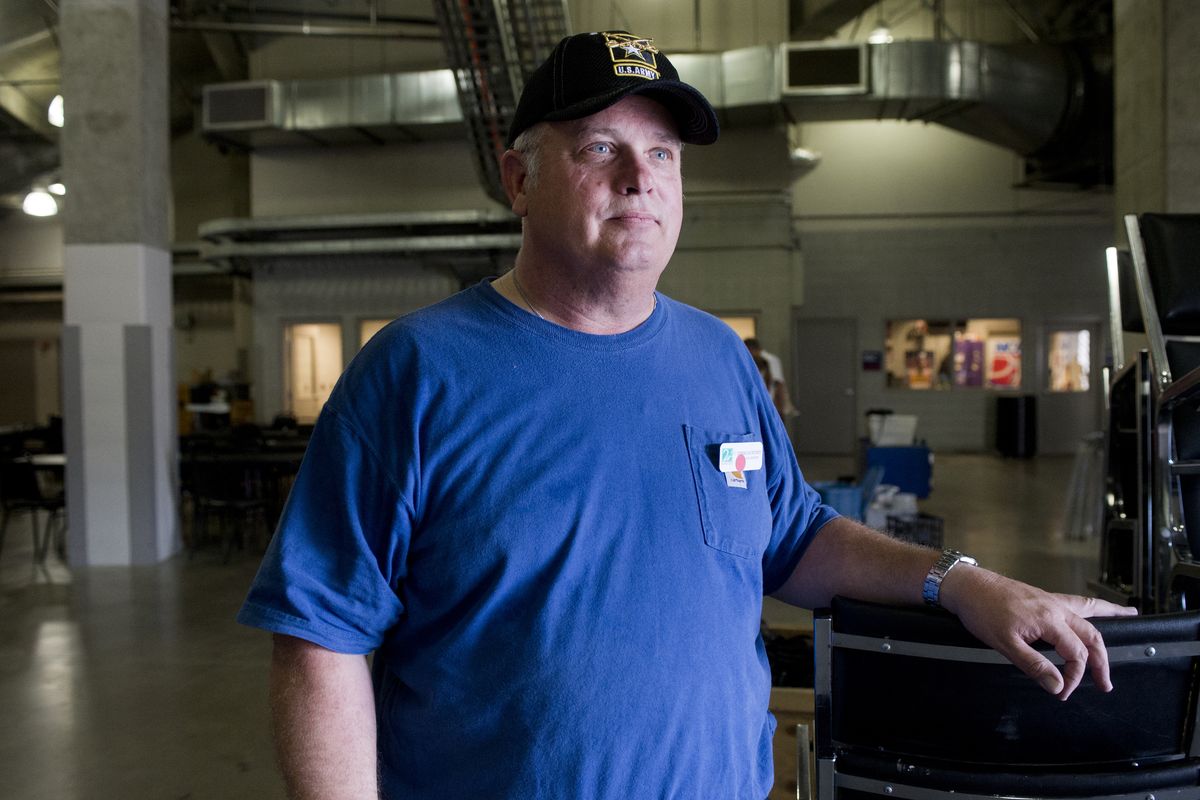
<point>932,589</point>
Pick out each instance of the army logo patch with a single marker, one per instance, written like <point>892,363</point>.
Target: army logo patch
<point>633,56</point>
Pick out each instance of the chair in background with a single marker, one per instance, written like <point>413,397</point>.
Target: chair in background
<point>226,491</point>
<point>22,491</point>
<point>910,705</point>
<point>1165,250</point>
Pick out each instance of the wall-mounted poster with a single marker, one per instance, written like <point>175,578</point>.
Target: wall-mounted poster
<point>968,361</point>
<point>919,367</point>
<point>1004,362</point>
<point>950,354</point>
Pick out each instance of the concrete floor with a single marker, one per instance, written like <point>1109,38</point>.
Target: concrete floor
<point>136,683</point>
<point>1008,513</point>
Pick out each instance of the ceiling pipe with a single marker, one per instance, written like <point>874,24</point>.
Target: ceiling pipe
<point>1019,19</point>
<point>252,13</point>
<point>367,31</point>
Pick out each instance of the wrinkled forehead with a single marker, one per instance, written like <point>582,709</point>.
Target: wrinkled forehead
<point>635,115</point>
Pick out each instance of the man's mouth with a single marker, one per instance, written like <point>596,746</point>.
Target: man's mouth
<point>635,217</point>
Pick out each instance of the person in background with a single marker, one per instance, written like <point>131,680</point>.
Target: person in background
<point>551,506</point>
<point>776,384</point>
<point>764,369</point>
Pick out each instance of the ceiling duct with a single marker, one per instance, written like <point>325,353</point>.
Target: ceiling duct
<point>1021,97</point>
<point>1028,98</point>
<point>404,107</point>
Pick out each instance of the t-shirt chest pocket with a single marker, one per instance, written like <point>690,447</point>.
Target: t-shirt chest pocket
<point>735,513</point>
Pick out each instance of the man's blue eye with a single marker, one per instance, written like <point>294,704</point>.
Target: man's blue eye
<point>603,149</point>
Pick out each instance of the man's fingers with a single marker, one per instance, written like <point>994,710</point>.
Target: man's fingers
<point>1097,653</point>
<point>1010,616</point>
<point>1034,664</point>
<point>1095,607</point>
<point>1080,646</point>
<point>1075,660</point>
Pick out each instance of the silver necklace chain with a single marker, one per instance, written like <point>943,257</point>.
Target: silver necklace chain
<point>533,308</point>
<point>525,297</point>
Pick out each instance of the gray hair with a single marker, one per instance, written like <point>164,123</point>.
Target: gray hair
<point>529,145</point>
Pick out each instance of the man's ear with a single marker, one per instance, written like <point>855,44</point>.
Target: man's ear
<point>513,175</point>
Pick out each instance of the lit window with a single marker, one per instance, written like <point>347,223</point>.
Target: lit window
<point>312,362</point>
<point>745,327</point>
<point>368,328</point>
<point>1070,361</point>
<point>954,354</point>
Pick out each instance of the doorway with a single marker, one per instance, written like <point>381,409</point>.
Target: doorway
<point>312,363</point>
<point>824,385</point>
<point>1069,384</point>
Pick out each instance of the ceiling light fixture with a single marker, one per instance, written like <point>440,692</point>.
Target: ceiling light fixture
<point>881,35</point>
<point>55,113</point>
<point>39,203</point>
<point>57,188</point>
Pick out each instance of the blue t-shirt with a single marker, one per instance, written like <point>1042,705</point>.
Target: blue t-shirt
<point>529,526</point>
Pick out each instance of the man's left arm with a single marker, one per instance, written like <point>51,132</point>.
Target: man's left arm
<point>849,559</point>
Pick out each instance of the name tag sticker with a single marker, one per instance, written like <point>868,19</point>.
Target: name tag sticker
<point>741,456</point>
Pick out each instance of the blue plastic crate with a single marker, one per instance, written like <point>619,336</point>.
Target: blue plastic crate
<point>849,499</point>
<point>844,498</point>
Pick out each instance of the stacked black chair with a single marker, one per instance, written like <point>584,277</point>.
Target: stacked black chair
<point>910,705</point>
<point>1166,260</point>
<point>1126,538</point>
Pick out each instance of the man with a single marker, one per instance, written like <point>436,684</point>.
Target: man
<point>777,386</point>
<point>552,503</point>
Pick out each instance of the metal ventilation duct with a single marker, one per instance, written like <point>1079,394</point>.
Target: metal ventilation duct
<point>1022,97</point>
<point>406,106</point>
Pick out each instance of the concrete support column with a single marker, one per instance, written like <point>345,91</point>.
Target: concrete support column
<point>118,398</point>
<point>1157,86</point>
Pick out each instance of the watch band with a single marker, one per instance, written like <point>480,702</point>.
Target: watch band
<point>931,591</point>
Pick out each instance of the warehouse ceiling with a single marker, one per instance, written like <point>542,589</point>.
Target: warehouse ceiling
<point>211,41</point>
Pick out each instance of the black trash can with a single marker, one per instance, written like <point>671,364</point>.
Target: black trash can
<point>1016,426</point>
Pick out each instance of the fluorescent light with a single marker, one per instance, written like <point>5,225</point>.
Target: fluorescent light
<point>57,188</point>
<point>881,35</point>
<point>55,112</point>
<point>39,203</point>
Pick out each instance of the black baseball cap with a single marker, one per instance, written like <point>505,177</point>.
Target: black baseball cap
<point>588,72</point>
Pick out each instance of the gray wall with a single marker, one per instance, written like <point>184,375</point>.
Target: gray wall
<point>348,293</point>
<point>898,219</point>
<point>1037,271</point>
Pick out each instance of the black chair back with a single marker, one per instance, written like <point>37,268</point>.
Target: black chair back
<point>1172,244</point>
<point>907,695</point>
<point>1131,312</point>
<point>1166,256</point>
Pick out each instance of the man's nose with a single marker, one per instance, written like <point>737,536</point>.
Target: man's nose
<point>635,175</point>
